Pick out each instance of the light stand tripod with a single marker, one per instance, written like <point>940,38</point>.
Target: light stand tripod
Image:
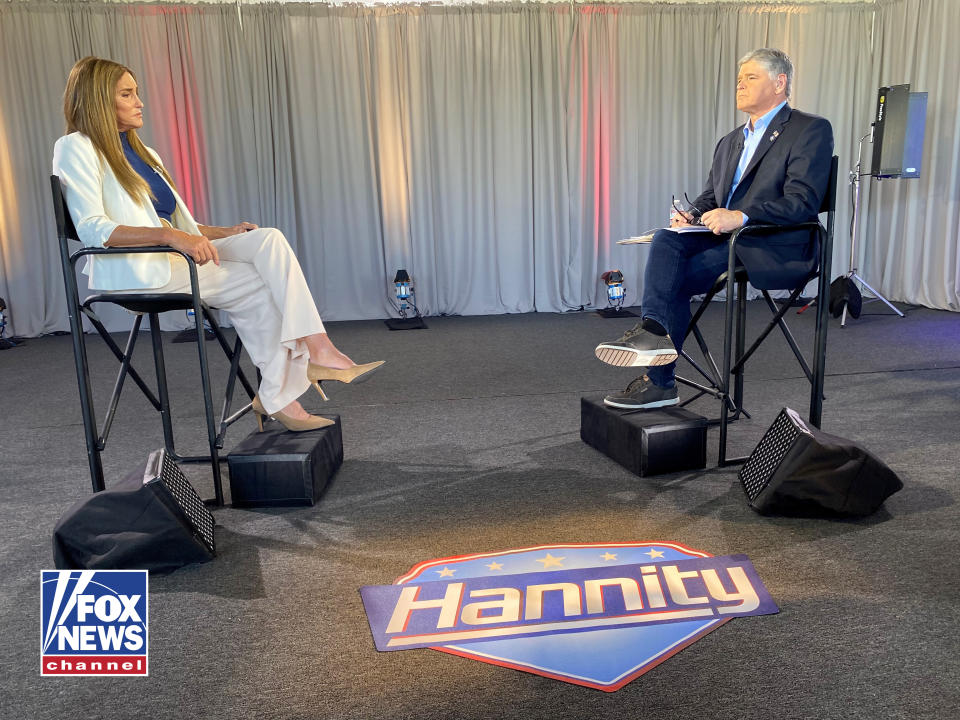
<point>855,176</point>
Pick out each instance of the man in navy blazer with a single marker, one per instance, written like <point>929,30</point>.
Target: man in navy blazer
<point>772,170</point>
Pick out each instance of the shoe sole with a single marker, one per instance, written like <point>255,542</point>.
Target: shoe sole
<point>621,357</point>
<point>647,406</point>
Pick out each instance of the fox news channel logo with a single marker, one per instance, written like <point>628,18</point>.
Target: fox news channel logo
<point>93,622</point>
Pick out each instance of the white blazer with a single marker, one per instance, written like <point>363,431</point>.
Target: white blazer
<point>98,204</point>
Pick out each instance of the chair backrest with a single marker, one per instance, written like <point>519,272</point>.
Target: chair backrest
<point>829,203</point>
<point>65,227</point>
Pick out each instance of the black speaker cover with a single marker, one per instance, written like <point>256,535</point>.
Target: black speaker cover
<point>153,519</point>
<point>799,470</point>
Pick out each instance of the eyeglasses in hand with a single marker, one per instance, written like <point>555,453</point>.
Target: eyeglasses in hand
<point>692,214</point>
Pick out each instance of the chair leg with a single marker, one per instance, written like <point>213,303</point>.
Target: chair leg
<point>236,373</point>
<point>727,351</point>
<point>228,395</point>
<point>741,342</point>
<point>83,382</point>
<point>694,329</point>
<point>118,353</point>
<point>713,389</point>
<point>714,371</point>
<point>778,314</point>
<point>208,403</point>
<point>162,391</point>
<point>820,344</point>
<point>711,373</point>
<point>740,287</point>
<point>230,353</point>
<point>125,368</point>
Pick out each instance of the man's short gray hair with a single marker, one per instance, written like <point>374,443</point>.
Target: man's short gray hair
<point>776,62</point>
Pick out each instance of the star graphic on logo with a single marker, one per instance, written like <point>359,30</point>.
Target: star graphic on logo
<point>446,572</point>
<point>654,553</point>
<point>551,561</point>
<point>609,556</point>
<point>495,566</point>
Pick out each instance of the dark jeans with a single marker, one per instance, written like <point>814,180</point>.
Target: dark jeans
<point>680,265</point>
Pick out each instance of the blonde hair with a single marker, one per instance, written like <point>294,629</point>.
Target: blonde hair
<point>89,107</point>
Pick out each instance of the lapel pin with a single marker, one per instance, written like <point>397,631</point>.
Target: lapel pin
<point>774,136</point>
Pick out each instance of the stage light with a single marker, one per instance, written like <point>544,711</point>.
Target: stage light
<point>614,281</point>
<point>189,333</point>
<point>5,343</point>
<point>406,302</point>
<point>404,288</point>
<point>615,295</point>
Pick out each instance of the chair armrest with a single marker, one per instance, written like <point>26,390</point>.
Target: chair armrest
<point>766,230</point>
<point>127,250</point>
<point>191,265</point>
<point>762,230</point>
<point>773,229</point>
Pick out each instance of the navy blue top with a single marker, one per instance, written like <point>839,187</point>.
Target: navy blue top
<point>165,202</point>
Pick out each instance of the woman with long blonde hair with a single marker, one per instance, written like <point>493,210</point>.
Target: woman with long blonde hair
<point>120,195</point>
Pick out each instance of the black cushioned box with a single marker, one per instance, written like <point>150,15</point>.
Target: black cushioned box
<point>646,442</point>
<point>277,467</point>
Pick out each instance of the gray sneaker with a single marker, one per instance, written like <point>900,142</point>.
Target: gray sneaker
<point>642,394</point>
<point>637,348</point>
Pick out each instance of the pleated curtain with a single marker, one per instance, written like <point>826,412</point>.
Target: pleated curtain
<point>497,152</point>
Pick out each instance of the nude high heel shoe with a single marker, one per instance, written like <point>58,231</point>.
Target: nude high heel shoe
<point>316,374</point>
<point>290,423</point>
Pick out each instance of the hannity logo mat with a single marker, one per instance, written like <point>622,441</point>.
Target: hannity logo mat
<point>93,622</point>
<point>598,614</point>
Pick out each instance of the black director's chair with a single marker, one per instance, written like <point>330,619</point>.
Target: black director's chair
<point>150,304</point>
<point>734,280</point>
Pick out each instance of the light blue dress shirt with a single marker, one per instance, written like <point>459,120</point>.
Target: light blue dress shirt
<point>751,141</point>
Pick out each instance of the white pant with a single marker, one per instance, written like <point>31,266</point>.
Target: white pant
<point>260,283</point>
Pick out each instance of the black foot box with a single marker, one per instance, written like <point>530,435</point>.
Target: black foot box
<point>646,442</point>
<point>277,467</point>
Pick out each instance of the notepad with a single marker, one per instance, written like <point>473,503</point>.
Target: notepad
<point>645,239</point>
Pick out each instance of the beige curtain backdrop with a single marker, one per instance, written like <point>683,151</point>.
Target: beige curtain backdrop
<point>909,248</point>
<point>497,152</point>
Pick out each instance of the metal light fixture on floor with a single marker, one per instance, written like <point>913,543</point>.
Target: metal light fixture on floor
<point>189,334</point>
<point>5,342</point>
<point>615,295</point>
<point>406,303</point>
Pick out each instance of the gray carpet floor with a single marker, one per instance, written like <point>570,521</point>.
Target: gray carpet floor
<point>468,441</point>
